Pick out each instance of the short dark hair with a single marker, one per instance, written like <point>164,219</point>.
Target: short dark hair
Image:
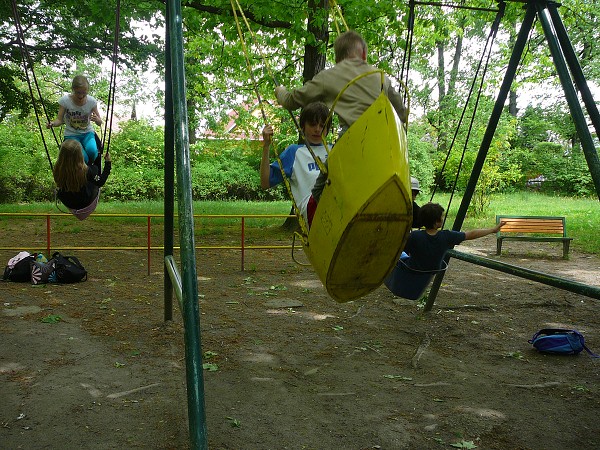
<point>430,214</point>
<point>316,112</point>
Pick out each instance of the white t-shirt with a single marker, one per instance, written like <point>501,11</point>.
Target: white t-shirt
<point>77,118</point>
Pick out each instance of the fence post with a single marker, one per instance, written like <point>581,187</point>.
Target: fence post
<point>243,238</point>
<point>48,235</point>
<point>149,245</point>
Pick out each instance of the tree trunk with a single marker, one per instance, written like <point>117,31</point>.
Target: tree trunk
<point>456,61</point>
<point>441,82</point>
<point>441,72</point>
<point>133,112</point>
<point>192,121</point>
<point>512,95</point>
<point>512,103</point>
<point>315,55</point>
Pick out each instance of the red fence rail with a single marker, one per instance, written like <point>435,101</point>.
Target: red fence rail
<point>149,247</point>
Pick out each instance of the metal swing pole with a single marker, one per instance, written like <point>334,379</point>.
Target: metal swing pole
<point>574,66</point>
<point>169,178</point>
<point>539,7</point>
<point>487,138</point>
<point>189,282</point>
<point>533,275</point>
<point>558,55</point>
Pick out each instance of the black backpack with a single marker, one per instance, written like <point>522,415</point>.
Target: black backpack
<point>21,271</point>
<point>68,269</point>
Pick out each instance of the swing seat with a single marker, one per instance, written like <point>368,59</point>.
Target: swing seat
<point>410,283</point>
<point>407,283</point>
<point>84,213</point>
<point>365,211</point>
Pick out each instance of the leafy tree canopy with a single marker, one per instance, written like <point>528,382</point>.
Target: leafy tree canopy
<point>59,33</point>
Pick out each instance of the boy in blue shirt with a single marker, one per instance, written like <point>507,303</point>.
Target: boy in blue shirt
<point>425,250</point>
<point>298,163</point>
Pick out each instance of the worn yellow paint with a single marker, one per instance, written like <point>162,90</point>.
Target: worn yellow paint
<point>365,212</point>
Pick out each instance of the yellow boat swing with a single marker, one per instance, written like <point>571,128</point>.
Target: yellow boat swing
<point>364,214</point>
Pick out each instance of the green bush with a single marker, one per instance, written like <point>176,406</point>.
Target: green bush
<point>229,169</point>
<point>138,144</point>
<point>25,174</point>
<point>569,175</point>
<point>20,188</point>
<point>133,183</point>
<point>231,180</point>
<point>419,151</point>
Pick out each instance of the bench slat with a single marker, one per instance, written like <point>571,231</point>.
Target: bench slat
<point>524,229</point>
<point>534,224</point>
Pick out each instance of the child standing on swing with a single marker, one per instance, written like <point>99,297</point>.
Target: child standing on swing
<point>77,110</point>
<point>350,61</point>
<point>79,184</point>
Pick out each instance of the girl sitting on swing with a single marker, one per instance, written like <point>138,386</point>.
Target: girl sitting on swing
<point>79,184</point>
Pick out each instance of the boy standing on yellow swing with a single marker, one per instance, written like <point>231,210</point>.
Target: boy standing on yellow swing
<point>298,163</point>
<point>350,62</point>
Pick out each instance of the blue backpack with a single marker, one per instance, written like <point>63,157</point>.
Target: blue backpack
<point>560,341</point>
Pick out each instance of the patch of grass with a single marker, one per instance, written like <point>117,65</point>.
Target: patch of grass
<point>583,215</point>
<point>516,355</point>
<point>51,318</point>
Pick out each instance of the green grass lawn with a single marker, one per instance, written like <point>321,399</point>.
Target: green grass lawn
<point>583,215</point>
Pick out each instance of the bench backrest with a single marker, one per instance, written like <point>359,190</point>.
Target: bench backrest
<point>532,224</point>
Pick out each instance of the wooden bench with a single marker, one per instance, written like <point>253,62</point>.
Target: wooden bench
<point>519,228</point>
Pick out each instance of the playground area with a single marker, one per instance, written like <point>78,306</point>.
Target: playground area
<point>93,365</point>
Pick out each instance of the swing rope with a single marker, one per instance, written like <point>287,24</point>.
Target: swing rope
<point>245,51</point>
<point>113,82</point>
<point>338,15</point>
<point>28,67</point>
<point>235,8</point>
<point>267,66</point>
<point>83,213</point>
<point>486,51</point>
<point>443,267</point>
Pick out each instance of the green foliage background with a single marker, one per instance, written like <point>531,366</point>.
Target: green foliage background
<point>221,169</point>
<point>226,169</point>
<point>293,40</point>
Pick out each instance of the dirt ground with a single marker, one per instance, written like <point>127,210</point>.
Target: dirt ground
<point>293,369</point>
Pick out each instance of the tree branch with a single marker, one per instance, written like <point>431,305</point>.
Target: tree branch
<point>199,6</point>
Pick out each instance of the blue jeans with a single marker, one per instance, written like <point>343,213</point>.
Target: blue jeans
<point>88,142</point>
